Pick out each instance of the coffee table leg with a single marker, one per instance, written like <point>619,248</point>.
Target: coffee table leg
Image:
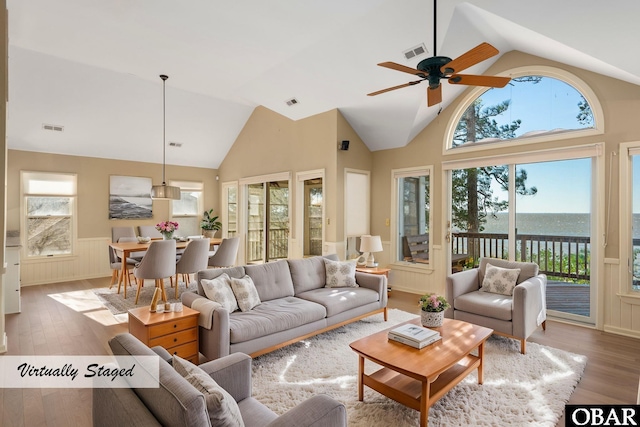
<point>424,404</point>
<point>481,365</point>
<point>360,378</point>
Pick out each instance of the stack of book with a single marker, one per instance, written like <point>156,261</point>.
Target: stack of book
<point>413,335</point>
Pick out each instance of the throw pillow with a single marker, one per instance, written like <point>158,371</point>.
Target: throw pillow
<point>499,280</point>
<point>246,293</point>
<point>340,274</point>
<point>222,407</point>
<point>219,290</point>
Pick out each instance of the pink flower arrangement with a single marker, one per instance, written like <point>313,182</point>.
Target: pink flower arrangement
<point>433,303</point>
<point>167,226</point>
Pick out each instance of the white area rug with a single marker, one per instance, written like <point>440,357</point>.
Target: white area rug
<point>518,390</point>
<point>117,304</point>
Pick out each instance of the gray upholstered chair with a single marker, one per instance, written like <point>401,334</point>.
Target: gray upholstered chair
<point>194,259</point>
<point>516,316</point>
<point>158,264</point>
<point>115,264</point>
<point>126,234</point>
<point>177,403</point>
<point>149,231</point>
<point>226,254</point>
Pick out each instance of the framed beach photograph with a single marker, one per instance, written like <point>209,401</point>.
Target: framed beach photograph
<point>130,197</point>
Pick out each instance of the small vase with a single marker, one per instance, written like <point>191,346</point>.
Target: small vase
<point>432,319</point>
<point>167,236</point>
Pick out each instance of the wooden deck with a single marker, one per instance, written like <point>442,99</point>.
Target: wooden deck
<point>568,298</point>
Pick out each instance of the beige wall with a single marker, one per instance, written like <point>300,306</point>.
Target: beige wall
<point>271,143</point>
<point>4,94</point>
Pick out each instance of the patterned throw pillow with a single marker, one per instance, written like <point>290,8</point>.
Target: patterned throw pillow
<point>219,290</point>
<point>222,407</point>
<point>245,292</point>
<point>499,280</point>
<point>340,274</point>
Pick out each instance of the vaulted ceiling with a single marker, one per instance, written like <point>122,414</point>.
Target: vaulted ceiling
<point>92,66</point>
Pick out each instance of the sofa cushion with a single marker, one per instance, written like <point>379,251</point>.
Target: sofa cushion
<point>485,304</point>
<point>338,300</point>
<point>339,274</point>
<point>212,273</point>
<point>499,280</point>
<point>273,316</point>
<point>175,402</point>
<point>272,280</point>
<point>307,273</point>
<point>223,409</point>
<point>219,290</point>
<point>245,291</point>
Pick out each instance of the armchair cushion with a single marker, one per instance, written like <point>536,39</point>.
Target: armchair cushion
<point>499,280</point>
<point>485,304</point>
<point>223,409</point>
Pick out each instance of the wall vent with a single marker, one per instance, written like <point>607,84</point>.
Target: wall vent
<point>415,51</point>
<point>55,128</point>
<point>175,144</point>
<point>291,102</point>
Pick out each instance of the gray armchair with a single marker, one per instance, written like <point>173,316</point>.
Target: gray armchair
<point>515,316</point>
<point>177,403</point>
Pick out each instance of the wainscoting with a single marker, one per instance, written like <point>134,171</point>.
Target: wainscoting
<point>91,260</point>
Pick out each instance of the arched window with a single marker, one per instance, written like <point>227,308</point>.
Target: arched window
<point>539,104</point>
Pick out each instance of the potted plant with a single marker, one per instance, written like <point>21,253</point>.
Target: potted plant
<point>210,224</point>
<point>432,307</point>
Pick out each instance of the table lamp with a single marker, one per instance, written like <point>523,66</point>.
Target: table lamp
<point>370,244</point>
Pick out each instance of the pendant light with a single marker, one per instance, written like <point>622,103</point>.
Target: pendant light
<point>164,191</point>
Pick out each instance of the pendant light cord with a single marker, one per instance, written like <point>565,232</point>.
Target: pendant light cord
<point>435,32</point>
<point>164,125</point>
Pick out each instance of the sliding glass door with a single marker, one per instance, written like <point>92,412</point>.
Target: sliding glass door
<point>267,221</point>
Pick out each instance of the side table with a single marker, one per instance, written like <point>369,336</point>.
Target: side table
<point>177,332</point>
<point>376,270</point>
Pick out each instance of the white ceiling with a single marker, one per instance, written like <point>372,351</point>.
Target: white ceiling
<point>92,66</point>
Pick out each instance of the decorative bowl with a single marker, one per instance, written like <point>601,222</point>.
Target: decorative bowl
<point>144,239</point>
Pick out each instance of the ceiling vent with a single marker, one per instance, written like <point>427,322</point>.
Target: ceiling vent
<point>415,51</point>
<point>291,102</point>
<point>55,128</point>
<point>175,144</point>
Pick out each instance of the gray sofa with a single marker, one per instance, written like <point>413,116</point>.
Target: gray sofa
<point>177,403</point>
<point>295,304</point>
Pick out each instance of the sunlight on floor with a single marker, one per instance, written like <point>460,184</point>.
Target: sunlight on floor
<point>85,301</point>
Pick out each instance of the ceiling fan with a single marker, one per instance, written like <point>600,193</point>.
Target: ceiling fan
<point>437,68</point>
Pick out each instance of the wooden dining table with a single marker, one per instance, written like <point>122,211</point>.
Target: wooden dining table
<point>125,249</point>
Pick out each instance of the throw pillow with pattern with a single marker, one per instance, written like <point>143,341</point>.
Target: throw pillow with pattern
<point>219,290</point>
<point>499,280</point>
<point>340,274</point>
<point>246,293</point>
<point>222,407</point>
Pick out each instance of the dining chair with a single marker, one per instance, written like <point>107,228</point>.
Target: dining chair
<point>149,231</point>
<point>194,259</point>
<point>116,266</point>
<point>226,254</point>
<point>129,234</point>
<point>158,264</point>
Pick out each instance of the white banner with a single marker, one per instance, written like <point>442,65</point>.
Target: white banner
<point>79,371</point>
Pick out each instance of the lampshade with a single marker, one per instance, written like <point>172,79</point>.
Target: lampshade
<point>164,191</point>
<point>370,244</point>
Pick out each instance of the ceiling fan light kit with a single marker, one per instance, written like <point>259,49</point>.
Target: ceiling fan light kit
<point>436,68</point>
<point>164,191</point>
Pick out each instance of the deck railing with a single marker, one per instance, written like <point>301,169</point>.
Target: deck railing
<point>565,257</point>
<point>278,244</point>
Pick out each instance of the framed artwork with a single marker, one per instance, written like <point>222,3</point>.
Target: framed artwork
<point>130,197</point>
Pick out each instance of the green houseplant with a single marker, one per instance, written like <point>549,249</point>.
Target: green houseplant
<point>210,224</point>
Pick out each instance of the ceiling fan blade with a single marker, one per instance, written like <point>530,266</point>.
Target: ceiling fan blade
<point>473,80</point>
<point>472,57</point>
<point>393,88</point>
<point>403,68</point>
<point>434,95</point>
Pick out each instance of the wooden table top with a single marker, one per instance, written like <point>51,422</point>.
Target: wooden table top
<point>135,246</point>
<point>458,340</point>
<point>148,318</point>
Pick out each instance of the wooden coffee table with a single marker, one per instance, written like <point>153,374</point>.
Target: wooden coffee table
<point>418,378</point>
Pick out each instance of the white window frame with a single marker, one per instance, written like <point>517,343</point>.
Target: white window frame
<point>72,194</point>
<point>193,187</point>
<point>396,242</point>
<point>226,186</point>
<point>299,236</point>
<point>534,70</point>
<point>627,151</point>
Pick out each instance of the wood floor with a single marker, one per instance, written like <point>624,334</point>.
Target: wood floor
<point>64,318</point>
